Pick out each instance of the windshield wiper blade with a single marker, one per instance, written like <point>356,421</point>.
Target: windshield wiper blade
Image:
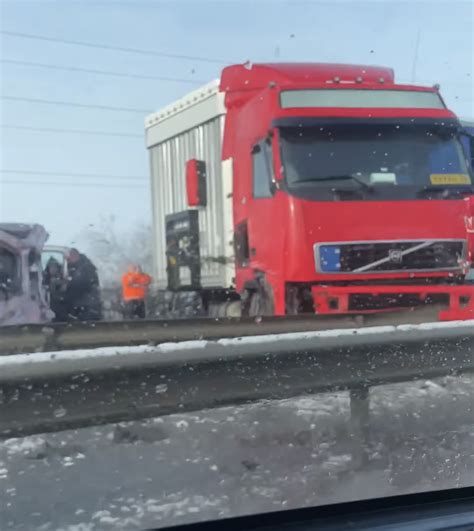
<point>347,177</point>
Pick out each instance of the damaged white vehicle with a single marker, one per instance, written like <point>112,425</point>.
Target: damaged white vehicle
<point>23,298</point>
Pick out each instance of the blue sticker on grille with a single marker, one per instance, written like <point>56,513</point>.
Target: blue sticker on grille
<point>330,258</point>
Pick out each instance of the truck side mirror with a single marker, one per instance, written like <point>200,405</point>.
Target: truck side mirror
<point>196,182</point>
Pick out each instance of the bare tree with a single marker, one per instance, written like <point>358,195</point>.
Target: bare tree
<point>114,251</point>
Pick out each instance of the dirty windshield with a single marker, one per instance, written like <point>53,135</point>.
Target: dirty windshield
<point>368,154</point>
<point>236,257</point>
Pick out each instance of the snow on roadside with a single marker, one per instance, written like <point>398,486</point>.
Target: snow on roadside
<point>23,445</point>
<point>132,511</point>
<point>234,460</point>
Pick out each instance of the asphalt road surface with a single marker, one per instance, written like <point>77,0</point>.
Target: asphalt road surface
<point>238,460</point>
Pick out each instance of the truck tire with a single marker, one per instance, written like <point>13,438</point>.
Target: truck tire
<point>225,310</point>
<point>233,309</point>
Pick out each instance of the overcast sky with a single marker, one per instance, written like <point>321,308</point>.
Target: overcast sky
<point>214,33</point>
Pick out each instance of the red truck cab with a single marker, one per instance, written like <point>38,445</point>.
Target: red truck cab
<point>351,193</point>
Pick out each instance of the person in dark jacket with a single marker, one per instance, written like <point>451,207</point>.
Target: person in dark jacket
<point>55,282</point>
<point>82,289</point>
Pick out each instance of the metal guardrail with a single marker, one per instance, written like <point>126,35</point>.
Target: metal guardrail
<point>74,390</point>
<point>56,336</point>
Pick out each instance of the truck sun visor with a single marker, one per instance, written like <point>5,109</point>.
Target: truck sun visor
<point>362,98</point>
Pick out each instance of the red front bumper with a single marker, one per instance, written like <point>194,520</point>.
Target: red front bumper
<point>458,301</point>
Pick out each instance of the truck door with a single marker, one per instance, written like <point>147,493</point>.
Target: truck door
<point>264,237</point>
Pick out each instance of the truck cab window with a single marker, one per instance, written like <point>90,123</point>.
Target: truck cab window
<point>261,171</point>
<point>9,281</point>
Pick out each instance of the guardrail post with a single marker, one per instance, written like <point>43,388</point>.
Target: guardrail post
<point>360,424</point>
<point>49,334</point>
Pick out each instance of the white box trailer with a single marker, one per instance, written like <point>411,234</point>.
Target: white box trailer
<point>192,128</point>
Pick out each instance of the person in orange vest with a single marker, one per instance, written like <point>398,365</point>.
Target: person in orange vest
<point>134,289</point>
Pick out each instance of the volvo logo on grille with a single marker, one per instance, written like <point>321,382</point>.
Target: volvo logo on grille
<point>395,256</point>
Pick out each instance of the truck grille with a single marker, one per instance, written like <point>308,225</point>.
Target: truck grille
<point>392,256</point>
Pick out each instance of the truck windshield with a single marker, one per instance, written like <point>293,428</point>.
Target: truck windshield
<point>407,159</point>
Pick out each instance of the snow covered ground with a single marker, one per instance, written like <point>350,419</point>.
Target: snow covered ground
<point>238,460</point>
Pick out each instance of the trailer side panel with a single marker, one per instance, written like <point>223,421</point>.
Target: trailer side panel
<point>190,129</point>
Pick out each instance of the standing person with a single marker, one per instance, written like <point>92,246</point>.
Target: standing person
<point>134,289</point>
<point>54,279</point>
<point>82,289</point>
